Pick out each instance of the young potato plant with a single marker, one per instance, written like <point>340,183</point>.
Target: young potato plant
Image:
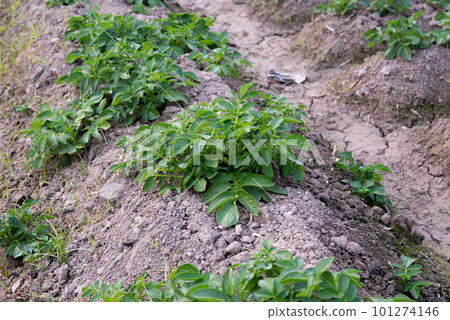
<point>401,35</point>
<point>128,73</point>
<point>365,179</point>
<point>272,276</point>
<point>383,7</point>
<point>442,36</point>
<point>406,271</point>
<point>28,237</point>
<point>227,145</point>
<point>52,3</point>
<point>445,4</point>
<point>339,6</point>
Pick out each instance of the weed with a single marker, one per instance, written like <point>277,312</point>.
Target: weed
<point>440,3</point>
<point>52,3</point>
<point>339,6</point>
<point>140,6</point>
<point>401,35</point>
<point>383,7</point>
<point>406,271</point>
<point>228,145</point>
<point>366,179</point>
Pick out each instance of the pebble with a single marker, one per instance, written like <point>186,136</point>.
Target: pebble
<point>47,285</point>
<point>16,286</point>
<point>324,197</point>
<point>234,248</point>
<point>386,218</point>
<point>111,190</point>
<point>64,273</point>
<point>193,227</point>
<point>208,238</point>
<point>341,241</point>
<point>247,239</point>
<point>354,248</point>
<point>387,70</point>
<point>238,230</point>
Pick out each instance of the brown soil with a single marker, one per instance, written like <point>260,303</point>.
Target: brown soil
<point>133,232</point>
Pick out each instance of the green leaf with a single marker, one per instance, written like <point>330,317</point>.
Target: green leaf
<point>220,200</point>
<point>179,145</point>
<point>228,214</point>
<point>248,201</point>
<point>256,180</point>
<point>200,185</point>
<point>209,295</point>
<point>215,190</point>
<point>322,266</point>
<point>405,53</point>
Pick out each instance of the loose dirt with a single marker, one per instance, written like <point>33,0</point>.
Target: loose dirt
<point>118,231</point>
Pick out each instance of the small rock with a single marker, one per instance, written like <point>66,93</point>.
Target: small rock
<point>402,222</point>
<point>238,230</point>
<point>324,197</point>
<point>293,252</point>
<point>69,205</point>
<point>354,248</point>
<point>167,194</point>
<point>111,190</point>
<point>193,227</point>
<point>378,211</point>
<point>221,243</point>
<point>208,238</point>
<point>234,248</point>
<point>341,241</point>
<point>47,285</point>
<point>362,73</point>
<point>387,70</point>
<point>16,286</point>
<point>360,266</point>
<point>100,270</point>
<point>64,273</point>
<point>247,239</point>
<point>386,218</point>
<point>133,236</point>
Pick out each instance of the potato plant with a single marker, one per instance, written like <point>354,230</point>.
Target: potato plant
<point>339,6</point>
<point>406,270</point>
<point>28,237</point>
<point>128,72</point>
<point>366,180</point>
<point>226,147</point>
<point>442,35</point>
<point>383,7</point>
<point>270,276</point>
<point>401,35</point>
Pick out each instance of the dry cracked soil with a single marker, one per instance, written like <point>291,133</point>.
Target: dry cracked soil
<point>389,111</point>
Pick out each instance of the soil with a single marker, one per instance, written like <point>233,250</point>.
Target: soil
<point>119,231</point>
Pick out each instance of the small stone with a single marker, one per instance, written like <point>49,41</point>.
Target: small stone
<point>341,241</point>
<point>359,265</point>
<point>47,285</point>
<point>132,236</point>
<point>69,205</point>
<point>234,248</point>
<point>193,227</point>
<point>101,270</point>
<point>402,222</point>
<point>16,286</point>
<point>247,239</point>
<point>167,194</point>
<point>111,190</point>
<point>354,248</point>
<point>221,243</point>
<point>386,218</point>
<point>293,252</point>
<point>387,70</point>
<point>238,230</point>
<point>208,238</point>
<point>362,73</point>
<point>64,273</point>
<point>378,211</point>
<point>324,197</point>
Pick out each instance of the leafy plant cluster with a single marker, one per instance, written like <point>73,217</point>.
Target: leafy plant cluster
<point>227,145</point>
<point>440,3</point>
<point>271,276</point>
<point>401,35</point>
<point>129,71</point>
<point>366,180</point>
<point>52,3</point>
<point>144,6</point>
<point>442,35</point>
<point>381,7</point>
<point>406,271</point>
<point>29,237</point>
<point>339,6</point>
